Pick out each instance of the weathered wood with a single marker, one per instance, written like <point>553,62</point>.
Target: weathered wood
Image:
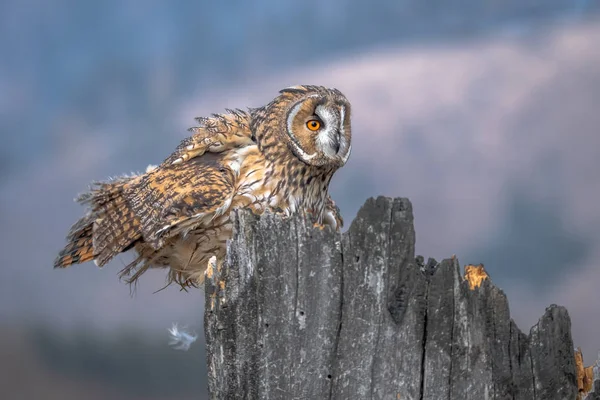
<point>595,393</point>
<point>299,312</point>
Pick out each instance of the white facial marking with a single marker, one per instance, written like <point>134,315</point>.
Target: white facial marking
<point>329,133</point>
<point>345,148</point>
<point>301,153</point>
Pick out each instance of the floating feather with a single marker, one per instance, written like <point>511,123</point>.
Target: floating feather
<point>180,339</point>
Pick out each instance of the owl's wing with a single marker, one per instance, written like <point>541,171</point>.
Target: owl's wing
<point>190,184</point>
<point>170,199</point>
<point>214,134</point>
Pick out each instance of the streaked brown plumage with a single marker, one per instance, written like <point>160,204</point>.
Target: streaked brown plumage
<point>279,157</point>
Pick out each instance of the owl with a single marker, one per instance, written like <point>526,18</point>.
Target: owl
<point>177,215</point>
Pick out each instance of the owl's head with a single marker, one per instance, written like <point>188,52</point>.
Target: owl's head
<point>314,122</point>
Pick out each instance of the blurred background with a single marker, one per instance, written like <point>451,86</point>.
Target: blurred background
<point>484,113</point>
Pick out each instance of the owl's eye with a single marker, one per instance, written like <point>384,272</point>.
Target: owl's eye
<point>313,125</point>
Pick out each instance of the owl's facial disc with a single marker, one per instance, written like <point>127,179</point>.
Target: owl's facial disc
<point>319,129</point>
<point>329,136</point>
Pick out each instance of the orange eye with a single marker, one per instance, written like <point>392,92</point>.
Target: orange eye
<point>313,125</point>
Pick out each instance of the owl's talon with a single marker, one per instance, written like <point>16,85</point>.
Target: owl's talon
<point>319,226</point>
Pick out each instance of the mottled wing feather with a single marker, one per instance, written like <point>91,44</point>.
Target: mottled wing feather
<point>109,227</point>
<point>214,134</point>
<point>162,202</point>
<point>116,231</point>
<point>174,196</point>
<point>79,246</point>
<point>115,226</point>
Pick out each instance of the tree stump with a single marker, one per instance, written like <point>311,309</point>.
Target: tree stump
<point>301,312</point>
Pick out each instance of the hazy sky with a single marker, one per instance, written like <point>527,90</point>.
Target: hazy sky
<point>494,138</point>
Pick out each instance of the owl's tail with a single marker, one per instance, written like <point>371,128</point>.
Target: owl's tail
<point>109,228</point>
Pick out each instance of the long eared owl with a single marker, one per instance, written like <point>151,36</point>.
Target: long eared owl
<point>280,157</point>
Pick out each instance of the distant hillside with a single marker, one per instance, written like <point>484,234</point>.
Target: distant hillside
<point>37,364</point>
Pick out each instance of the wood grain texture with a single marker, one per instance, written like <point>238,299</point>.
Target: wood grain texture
<point>298,312</point>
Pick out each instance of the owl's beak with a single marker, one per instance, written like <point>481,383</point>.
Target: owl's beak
<point>330,143</point>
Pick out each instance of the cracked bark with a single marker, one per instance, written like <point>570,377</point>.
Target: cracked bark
<point>297,312</point>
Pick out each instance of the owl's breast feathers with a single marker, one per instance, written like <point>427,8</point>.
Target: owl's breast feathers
<point>177,215</point>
